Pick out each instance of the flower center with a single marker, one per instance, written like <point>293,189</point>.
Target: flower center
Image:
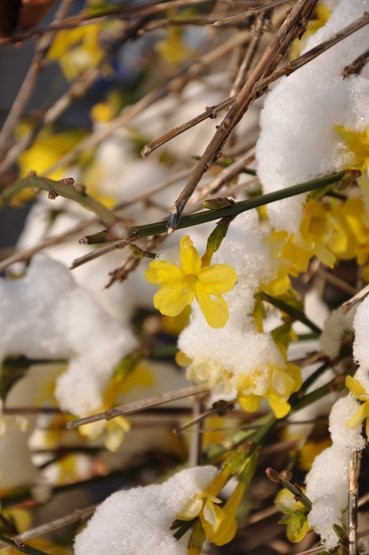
<point>191,280</point>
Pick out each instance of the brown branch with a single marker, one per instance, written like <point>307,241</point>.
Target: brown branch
<point>77,89</point>
<point>239,18</point>
<point>124,12</point>
<point>78,515</point>
<point>30,79</point>
<point>138,406</point>
<point>249,56</point>
<point>314,52</point>
<point>354,470</point>
<point>356,67</point>
<point>293,25</point>
<point>26,254</point>
<point>287,69</point>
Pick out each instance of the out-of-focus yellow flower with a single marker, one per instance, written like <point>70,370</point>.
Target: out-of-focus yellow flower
<point>181,284</point>
<point>48,148</point>
<point>114,430</point>
<point>296,515</point>
<point>274,384</point>
<point>173,49</point>
<point>362,413</point>
<point>322,14</point>
<point>77,49</point>
<point>293,254</point>
<point>356,144</point>
<point>310,450</point>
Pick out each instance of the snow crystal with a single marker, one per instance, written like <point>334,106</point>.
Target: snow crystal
<point>137,521</point>
<point>46,315</point>
<point>297,140</point>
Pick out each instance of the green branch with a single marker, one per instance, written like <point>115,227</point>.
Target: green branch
<point>238,207</point>
<point>65,188</point>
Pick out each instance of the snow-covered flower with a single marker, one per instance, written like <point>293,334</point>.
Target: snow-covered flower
<point>138,521</point>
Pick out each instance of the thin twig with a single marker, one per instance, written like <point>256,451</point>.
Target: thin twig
<point>78,515</point>
<point>260,87</point>
<point>356,67</point>
<point>292,26</point>
<point>139,406</point>
<point>249,56</point>
<point>178,83</point>
<point>26,254</point>
<point>77,89</point>
<point>356,299</point>
<point>354,470</point>
<point>30,79</point>
<point>239,18</point>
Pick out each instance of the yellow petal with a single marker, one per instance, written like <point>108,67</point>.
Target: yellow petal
<point>190,258</point>
<point>164,273</point>
<point>249,403</point>
<point>218,278</point>
<point>171,302</point>
<point>212,514</point>
<point>361,413</point>
<point>221,526</point>
<point>215,309</point>
<point>279,407</point>
<point>356,388</point>
<point>191,509</point>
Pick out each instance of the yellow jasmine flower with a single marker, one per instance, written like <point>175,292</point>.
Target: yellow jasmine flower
<point>173,49</point>
<point>77,49</point>
<point>357,144</point>
<point>192,279</point>
<point>219,523</point>
<point>362,413</point>
<point>275,384</point>
<point>48,148</point>
<point>296,515</point>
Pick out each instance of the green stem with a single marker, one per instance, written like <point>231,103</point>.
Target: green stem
<point>337,384</point>
<point>292,311</point>
<point>64,188</point>
<point>198,218</point>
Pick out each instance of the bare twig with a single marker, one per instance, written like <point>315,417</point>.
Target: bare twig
<point>79,515</point>
<point>138,406</point>
<point>239,18</point>
<point>356,299</point>
<point>249,56</point>
<point>354,470</point>
<point>26,254</point>
<point>77,89</point>
<point>292,26</point>
<point>357,65</point>
<point>30,79</point>
<point>291,67</point>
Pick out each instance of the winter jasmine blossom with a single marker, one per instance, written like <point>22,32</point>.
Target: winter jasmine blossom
<point>192,279</point>
<point>362,413</point>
